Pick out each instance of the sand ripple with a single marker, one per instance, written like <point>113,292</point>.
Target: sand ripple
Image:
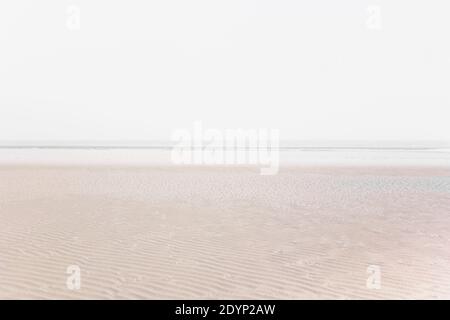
<point>153,233</point>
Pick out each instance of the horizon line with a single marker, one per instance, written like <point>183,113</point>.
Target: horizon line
<point>282,145</point>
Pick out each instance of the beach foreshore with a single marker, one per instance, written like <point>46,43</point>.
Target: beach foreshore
<point>157,232</point>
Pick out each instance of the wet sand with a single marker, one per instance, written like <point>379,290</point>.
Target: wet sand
<point>207,232</point>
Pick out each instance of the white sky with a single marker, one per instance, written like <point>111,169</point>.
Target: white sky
<point>140,69</point>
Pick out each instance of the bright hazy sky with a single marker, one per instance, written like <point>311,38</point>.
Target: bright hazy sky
<point>140,69</point>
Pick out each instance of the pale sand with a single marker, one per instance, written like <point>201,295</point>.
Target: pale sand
<point>165,232</point>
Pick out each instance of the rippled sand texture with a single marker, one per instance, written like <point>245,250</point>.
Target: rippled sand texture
<point>224,232</point>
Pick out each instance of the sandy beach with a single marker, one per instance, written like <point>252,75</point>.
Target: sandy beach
<point>161,232</point>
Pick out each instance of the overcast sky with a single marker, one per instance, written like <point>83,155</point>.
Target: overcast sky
<point>140,69</point>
